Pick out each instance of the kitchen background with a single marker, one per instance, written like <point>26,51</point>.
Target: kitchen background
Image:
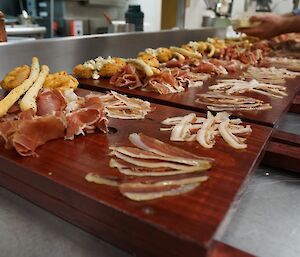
<point>54,18</point>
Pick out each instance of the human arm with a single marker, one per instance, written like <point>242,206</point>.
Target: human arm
<point>272,25</point>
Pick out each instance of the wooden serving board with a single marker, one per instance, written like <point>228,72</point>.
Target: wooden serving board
<point>172,226</point>
<point>186,99</point>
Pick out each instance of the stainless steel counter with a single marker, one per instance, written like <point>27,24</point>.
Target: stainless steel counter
<point>65,53</point>
<point>265,221</point>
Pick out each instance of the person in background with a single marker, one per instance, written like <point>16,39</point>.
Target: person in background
<point>272,24</point>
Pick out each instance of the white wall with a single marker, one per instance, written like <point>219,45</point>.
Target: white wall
<point>152,13</point>
<point>194,13</point>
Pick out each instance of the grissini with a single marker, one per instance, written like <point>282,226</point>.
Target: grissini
<point>17,92</point>
<point>29,99</point>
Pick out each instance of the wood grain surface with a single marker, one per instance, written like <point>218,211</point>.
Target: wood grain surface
<point>186,99</point>
<point>173,226</point>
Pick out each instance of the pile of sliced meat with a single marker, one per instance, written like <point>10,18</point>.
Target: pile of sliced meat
<point>246,56</point>
<point>269,75</point>
<point>122,107</point>
<point>162,83</point>
<point>152,169</point>
<point>186,78</point>
<point>236,86</point>
<point>59,115</point>
<point>167,81</point>
<point>222,102</point>
<point>204,130</point>
<point>282,62</point>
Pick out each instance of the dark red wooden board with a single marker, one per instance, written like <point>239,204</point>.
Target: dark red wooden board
<point>186,99</point>
<point>173,226</point>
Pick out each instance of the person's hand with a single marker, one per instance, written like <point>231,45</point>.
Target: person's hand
<point>270,25</point>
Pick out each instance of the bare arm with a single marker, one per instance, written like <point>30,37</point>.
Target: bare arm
<point>272,25</point>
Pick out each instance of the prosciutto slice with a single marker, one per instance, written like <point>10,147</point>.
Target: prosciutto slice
<point>142,192</point>
<point>205,130</point>
<point>156,146</point>
<point>126,77</point>
<point>150,172</point>
<point>148,188</point>
<point>85,119</point>
<point>208,67</point>
<point>29,134</point>
<point>122,107</point>
<point>50,102</point>
<point>163,83</point>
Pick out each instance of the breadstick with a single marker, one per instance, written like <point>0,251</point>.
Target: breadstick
<point>185,52</point>
<point>29,99</point>
<point>140,64</point>
<point>17,92</point>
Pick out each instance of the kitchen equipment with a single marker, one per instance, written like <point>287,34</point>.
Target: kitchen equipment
<point>3,37</point>
<point>135,16</point>
<point>120,27</point>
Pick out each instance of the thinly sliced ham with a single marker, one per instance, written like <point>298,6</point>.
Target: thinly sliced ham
<point>81,120</point>
<point>50,101</point>
<point>126,77</point>
<point>33,133</point>
<point>122,107</point>
<point>150,172</point>
<point>149,188</point>
<point>175,63</point>
<point>205,131</point>
<point>160,164</point>
<point>208,67</point>
<point>156,146</point>
<point>163,83</point>
<point>143,194</point>
<point>223,102</point>
<point>143,154</point>
<point>140,167</point>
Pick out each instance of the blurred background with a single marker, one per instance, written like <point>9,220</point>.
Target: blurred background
<point>57,18</point>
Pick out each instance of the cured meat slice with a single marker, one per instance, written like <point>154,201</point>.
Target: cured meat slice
<point>206,130</point>
<point>269,75</point>
<point>7,129</point>
<point>160,164</point>
<point>138,153</point>
<point>229,137</point>
<point>122,107</point>
<point>163,83</point>
<point>222,102</point>
<point>33,133</point>
<point>145,188</point>
<point>50,101</point>
<point>208,67</point>
<point>233,86</point>
<point>174,63</point>
<point>156,146</point>
<point>90,113</point>
<point>142,193</point>
<point>137,167</point>
<point>149,174</point>
<point>126,77</point>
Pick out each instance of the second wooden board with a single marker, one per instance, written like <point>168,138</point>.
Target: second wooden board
<point>186,99</point>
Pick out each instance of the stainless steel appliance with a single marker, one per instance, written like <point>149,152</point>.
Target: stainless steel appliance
<point>73,17</point>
